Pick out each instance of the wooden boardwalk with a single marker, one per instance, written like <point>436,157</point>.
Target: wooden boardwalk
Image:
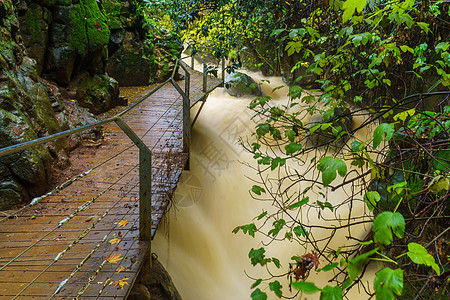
<point>83,241</point>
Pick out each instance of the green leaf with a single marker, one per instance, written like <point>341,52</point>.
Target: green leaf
<point>305,287</point>
<point>265,160</point>
<point>418,254</point>
<point>300,231</point>
<point>256,283</point>
<point>291,134</point>
<point>258,190</point>
<point>404,115</point>
<point>295,91</point>
<point>262,129</point>
<point>277,32</point>
<point>262,215</point>
<point>350,6</point>
<point>332,293</point>
<point>355,265</point>
<point>372,198</point>
<point>277,161</point>
<point>386,223</point>
<point>406,48</point>
<point>258,295</point>
<point>357,146</point>
<point>299,203</point>
<point>276,262</point>
<point>438,184</point>
<point>250,228</point>
<point>387,282</point>
<point>277,226</point>
<point>328,267</point>
<point>276,288</point>
<point>383,128</point>
<point>257,256</point>
<point>292,148</point>
<point>308,99</point>
<point>328,166</point>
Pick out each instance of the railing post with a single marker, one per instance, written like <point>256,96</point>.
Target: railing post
<point>187,82</point>
<point>192,61</point>
<point>205,78</point>
<point>145,182</point>
<point>223,69</point>
<point>186,120</point>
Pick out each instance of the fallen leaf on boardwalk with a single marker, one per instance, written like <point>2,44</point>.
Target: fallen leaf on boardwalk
<point>89,219</point>
<point>121,283</point>
<point>120,269</point>
<point>116,240</point>
<point>122,223</point>
<point>114,258</point>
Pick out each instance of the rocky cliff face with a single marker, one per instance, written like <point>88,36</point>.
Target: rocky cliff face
<point>69,41</point>
<point>25,114</point>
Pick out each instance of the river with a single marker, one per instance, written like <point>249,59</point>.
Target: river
<point>195,241</point>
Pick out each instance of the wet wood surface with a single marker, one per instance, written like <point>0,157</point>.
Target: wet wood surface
<point>83,242</point>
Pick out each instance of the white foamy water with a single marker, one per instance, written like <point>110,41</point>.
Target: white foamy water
<point>195,242</point>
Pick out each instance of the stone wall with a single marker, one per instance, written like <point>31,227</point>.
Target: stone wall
<point>26,113</point>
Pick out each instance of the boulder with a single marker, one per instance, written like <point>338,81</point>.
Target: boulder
<point>25,114</point>
<point>139,292</point>
<point>35,32</point>
<point>158,282</point>
<point>128,65</point>
<point>11,193</point>
<point>238,84</point>
<point>97,93</point>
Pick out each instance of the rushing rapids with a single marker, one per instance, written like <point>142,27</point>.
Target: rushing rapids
<point>195,243</point>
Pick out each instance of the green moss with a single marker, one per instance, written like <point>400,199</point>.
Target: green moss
<point>90,30</point>
<point>32,21</point>
<point>112,9</point>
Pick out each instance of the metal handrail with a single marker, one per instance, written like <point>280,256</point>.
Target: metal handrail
<point>144,152</point>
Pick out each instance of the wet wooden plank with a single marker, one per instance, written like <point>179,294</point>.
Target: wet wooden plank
<point>29,254</point>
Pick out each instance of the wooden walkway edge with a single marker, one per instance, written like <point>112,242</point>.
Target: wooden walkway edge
<point>83,242</point>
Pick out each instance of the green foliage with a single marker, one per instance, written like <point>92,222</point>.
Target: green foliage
<point>329,166</point>
<point>275,286</point>
<point>372,198</point>
<point>331,293</point>
<point>258,295</point>
<point>380,131</point>
<point>258,190</point>
<point>389,58</point>
<point>250,228</point>
<point>418,254</point>
<point>350,6</point>
<point>305,287</point>
<point>387,283</point>
<point>355,265</point>
<point>387,223</point>
<point>257,256</point>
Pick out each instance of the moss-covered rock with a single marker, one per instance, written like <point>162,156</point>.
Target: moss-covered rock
<point>97,93</point>
<point>239,84</point>
<point>90,30</point>
<point>25,114</point>
<point>128,64</point>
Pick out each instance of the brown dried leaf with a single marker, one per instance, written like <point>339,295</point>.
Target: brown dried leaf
<point>120,269</point>
<point>114,258</point>
<point>121,223</point>
<point>121,283</point>
<point>116,240</point>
